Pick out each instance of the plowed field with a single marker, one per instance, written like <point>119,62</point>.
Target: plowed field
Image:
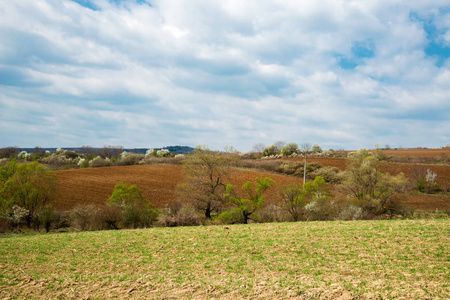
<point>418,152</point>
<point>156,182</point>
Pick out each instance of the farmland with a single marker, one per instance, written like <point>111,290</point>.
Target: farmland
<point>158,182</point>
<point>406,259</point>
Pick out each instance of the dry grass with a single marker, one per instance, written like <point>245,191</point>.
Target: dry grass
<point>313,260</point>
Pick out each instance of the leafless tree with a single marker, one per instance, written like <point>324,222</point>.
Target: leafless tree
<point>259,148</point>
<point>206,173</point>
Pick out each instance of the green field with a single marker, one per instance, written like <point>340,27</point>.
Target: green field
<point>407,259</point>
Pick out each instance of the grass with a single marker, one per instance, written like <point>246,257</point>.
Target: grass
<point>309,260</point>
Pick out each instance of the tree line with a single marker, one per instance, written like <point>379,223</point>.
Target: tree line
<point>207,197</point>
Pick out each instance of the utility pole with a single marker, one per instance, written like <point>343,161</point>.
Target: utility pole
<point>306,147</point>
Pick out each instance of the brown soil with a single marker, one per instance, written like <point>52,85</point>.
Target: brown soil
<point>418,152</point>
<point>158,183</point>
<point>443,172</point>
<point>95,185</point>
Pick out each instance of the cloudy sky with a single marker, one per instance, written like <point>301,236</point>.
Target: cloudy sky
<point>151,73</point>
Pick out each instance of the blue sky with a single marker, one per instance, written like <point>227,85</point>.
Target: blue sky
<point>343,74</point>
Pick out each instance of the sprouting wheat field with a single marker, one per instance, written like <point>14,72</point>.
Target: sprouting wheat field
<point>407,259</point>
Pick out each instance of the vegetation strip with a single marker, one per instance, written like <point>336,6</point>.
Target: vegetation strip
<point>353,259</point>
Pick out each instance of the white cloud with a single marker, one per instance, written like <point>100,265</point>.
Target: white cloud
<point>223,73</point>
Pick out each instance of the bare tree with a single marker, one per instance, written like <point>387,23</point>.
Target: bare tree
<point>278,145</point>
<point>259,148</point>
<point>206,173</point>
<point>111,151</point>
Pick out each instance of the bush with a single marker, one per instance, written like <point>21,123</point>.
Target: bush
<point>130,159</point>
<point>15,216</point>
<point>330,174</point>
<point>233,216</point>
<point>106,218</point>
<point>47,217</point>
<point>136,210</point>
<point>182,216</point>
<point>81,217</point>
<point>316,148</point>
<point>273,213</point>
<point>291,168</point>
<point>322,209</point>
<point>100,162</point>
<point>9,152</point>
<point>350,212</point>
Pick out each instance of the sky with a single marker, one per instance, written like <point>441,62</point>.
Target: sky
<point>152,73</point>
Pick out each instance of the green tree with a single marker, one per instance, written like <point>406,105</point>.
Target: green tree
<point>136,210</point>
<point>28,186</point>
<point>296,196</point>
<point>255,199</point>
<point>206,173</point>
<point>289,149</point>
<point>375,190</point>
<point>270,150</point>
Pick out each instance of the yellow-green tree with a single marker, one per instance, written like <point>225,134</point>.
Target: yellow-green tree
<point>136,210</point>
<point>28,186</point>
<point>255,192</point>
<point>296,196</point>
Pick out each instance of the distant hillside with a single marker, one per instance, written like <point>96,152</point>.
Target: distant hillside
<point>81,150</point>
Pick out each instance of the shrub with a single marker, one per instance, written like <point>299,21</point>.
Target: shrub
<point>232,216</point>
<point>316,148</point>
<point>290,168</point>
<point>163,153</point>
<point>15,216</point>
<point>136,210</point>
<point>330,174</point>
<point>184,216</point>
<point>83,163</point>
<point>9,152</point>
<point>24,155</point>
<point>47,217</point>
<point>81,217</point>
<point>350,212</point>
<point>106,218</point>
<point>62,219</point>
<point>273,213</point>
<point>98,162</point>
<point>130,159</point>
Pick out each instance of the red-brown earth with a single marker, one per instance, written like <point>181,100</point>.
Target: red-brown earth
<point>158,183</point>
